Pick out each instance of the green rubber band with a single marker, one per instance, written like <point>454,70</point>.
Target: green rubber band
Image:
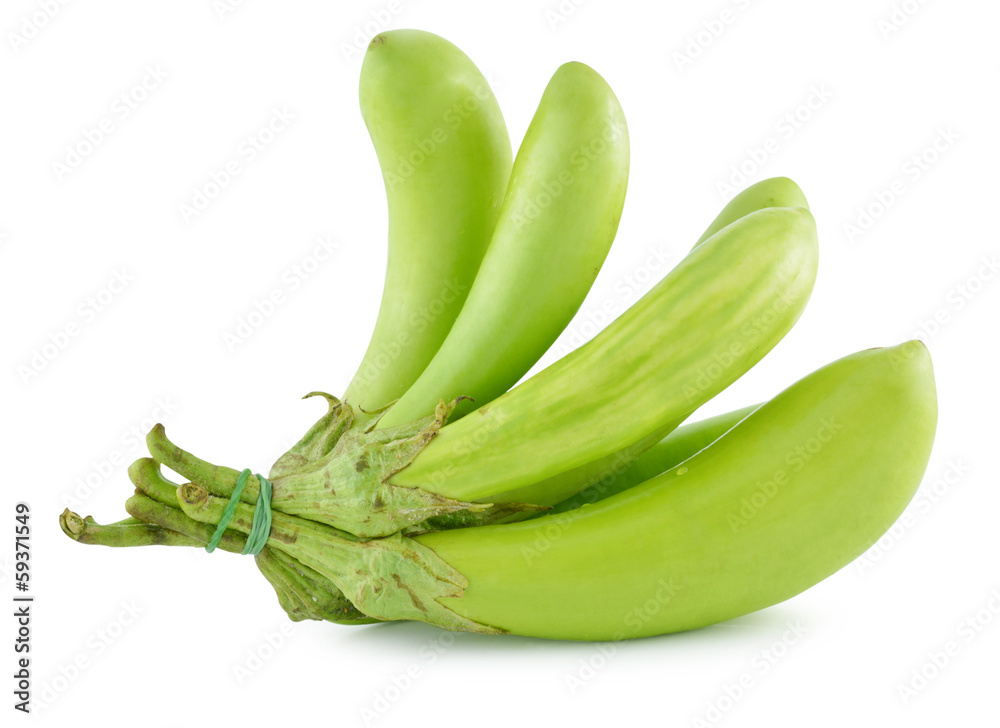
<point>261,527</point>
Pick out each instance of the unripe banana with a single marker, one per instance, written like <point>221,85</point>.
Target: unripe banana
<point>793,493</point>
<point>773,192</point>
<point>445,157</point>
<point>557,223</point>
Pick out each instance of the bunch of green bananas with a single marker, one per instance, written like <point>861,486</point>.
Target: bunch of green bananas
<point>573,505</point>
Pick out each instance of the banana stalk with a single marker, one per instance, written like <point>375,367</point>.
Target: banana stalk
<point>121,534</point>
<point>392,578</point>
<point>556,226</point>
<point>302,592</point>
<point>445,157</point>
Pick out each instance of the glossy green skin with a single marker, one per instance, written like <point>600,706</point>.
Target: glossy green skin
<point>672,450</point>
<point>706,323</point>
<point>703,543</point>
<point>557,223</point>
<point>773,192</point>
<point>446,158</point>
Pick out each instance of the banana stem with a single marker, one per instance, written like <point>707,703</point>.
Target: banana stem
<point>389,578</point>
<point>302,592</point>
<point>156,491</point>
<point>216,479</point>
<point>146,477</point>
<point>173,519</point>
<point>122,534</point>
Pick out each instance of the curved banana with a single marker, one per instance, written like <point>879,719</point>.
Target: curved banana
<point>445,157</point>
<point>793,493</point>
<point>773,192</point>
<point>556,225</point>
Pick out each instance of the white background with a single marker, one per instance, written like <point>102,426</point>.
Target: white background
<point>890,85</point>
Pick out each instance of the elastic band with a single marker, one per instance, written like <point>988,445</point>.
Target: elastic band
<point>261,527</point>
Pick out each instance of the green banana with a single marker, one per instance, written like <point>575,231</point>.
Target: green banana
<point>774,192</point>
<point>794,492</point>
<point>556,225</point>
<point>445,157</point>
